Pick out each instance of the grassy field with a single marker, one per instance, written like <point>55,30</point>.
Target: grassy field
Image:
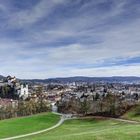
<point>23,125</point>
<point>80,129</point>
<point>91,129</point>
<point>133,114</point>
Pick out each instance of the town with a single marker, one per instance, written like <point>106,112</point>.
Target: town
<point>79,98</point>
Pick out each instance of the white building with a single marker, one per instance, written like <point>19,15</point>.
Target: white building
<point>23,91</point>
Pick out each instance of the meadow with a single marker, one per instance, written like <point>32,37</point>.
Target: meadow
<point>23,125</point>
<point>91,129</point>
<point>76,129</point>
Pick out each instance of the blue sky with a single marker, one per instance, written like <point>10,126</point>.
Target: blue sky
<point>60,38</point>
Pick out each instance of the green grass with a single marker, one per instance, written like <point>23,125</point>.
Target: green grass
<point>133,114</point>
<point>24,125</point>
<point>80,129</point>
<point>91,129</point>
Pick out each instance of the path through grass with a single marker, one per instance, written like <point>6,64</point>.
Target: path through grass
<point>24,125</point>
<point>91,129</point>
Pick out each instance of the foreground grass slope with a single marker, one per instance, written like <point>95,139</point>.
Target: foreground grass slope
<point>91,129</point>
<point>133,114</point>
<point>24,125</point>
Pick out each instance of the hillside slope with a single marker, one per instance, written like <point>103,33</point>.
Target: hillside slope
<point>133,113</point>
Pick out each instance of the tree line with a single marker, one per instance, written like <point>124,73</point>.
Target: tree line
<point>9,92</point>
<point>23,108</point>
<point>109,105</point>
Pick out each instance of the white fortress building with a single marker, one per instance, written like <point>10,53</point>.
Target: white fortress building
<point>11,80</point>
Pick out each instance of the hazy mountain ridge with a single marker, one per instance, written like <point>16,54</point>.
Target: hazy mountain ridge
<point>82,79</point>
<point>86,79</point>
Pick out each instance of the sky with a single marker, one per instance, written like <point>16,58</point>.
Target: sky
<point>42,39</point>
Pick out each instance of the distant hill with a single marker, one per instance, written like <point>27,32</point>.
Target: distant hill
<point>87,79</point>
<point>1,77</point>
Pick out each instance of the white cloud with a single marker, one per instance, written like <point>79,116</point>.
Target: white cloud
<point>94,38</point>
